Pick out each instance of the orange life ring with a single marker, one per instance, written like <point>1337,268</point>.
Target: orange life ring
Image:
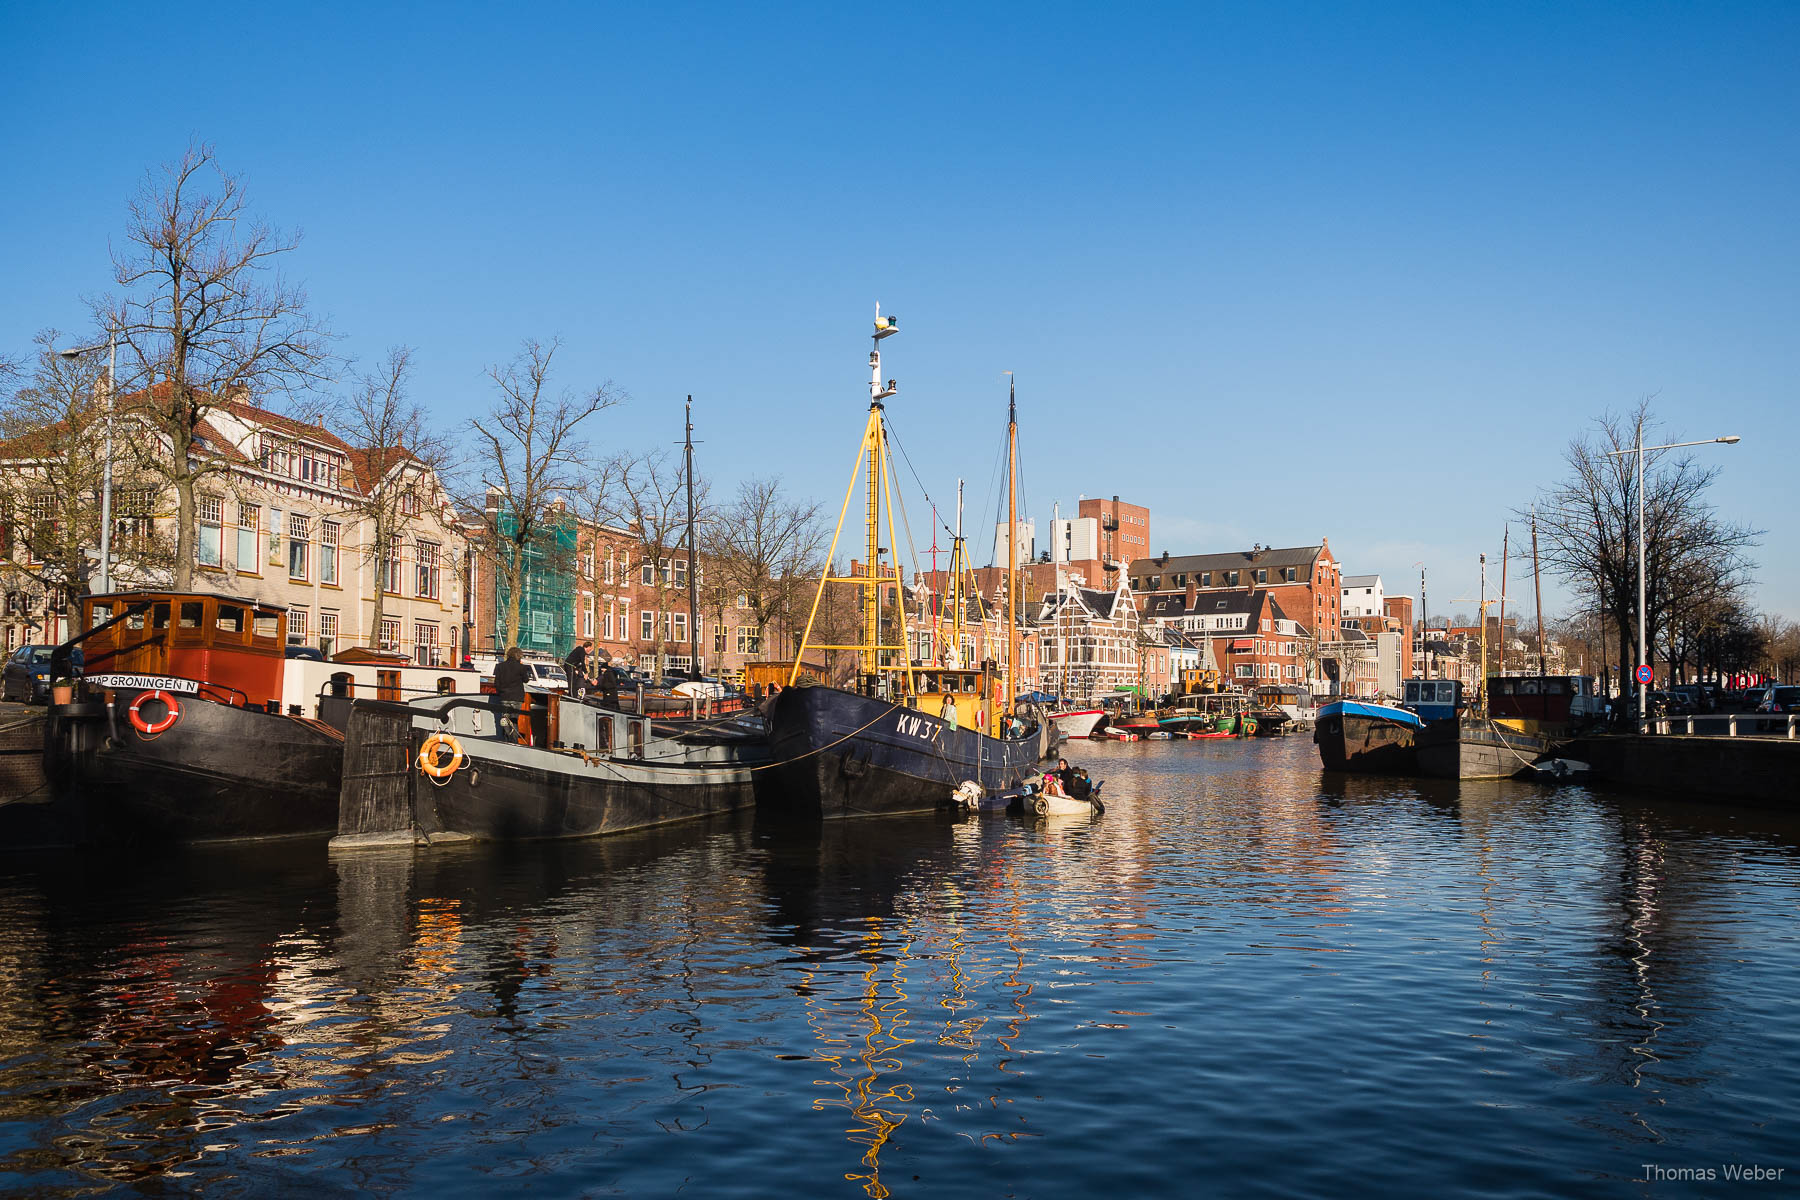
<point>170,716</point>
<point>429,763</point>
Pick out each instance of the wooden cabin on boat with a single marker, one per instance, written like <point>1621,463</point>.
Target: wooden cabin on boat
<point>223,648</point>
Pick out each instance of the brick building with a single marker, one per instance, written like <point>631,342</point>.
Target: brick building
<point>1249,636</point>
<point>1304,582</point>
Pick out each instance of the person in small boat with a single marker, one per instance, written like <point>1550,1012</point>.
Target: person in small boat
<point>1072,781</point>
<point>509,691</point>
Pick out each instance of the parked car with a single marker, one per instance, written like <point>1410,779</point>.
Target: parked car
<point>1778,700</point>
<point>27,673</point>
<point>1672,704</point>
<point>1703,697</point>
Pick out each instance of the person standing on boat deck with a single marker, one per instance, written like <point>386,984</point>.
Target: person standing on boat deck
<point>576,665</point>
<point>609,687</point>
<point>509,691</point>
<point>950,711</point>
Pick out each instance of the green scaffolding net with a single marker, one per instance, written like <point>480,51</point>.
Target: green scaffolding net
<point>546,593</point>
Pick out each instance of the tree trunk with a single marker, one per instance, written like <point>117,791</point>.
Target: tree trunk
<point>186,530</point>
<point>380,560</point>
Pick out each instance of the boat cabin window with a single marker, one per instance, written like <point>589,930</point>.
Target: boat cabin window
<point>135,621</point>
<point>159,616</point>
<point>230,625</point>
<point>342,684</point>
<point>102,614</point>
<point>446,685</point>
<point>265,626</point>
<point>190,614</point>
<point>387,685</point>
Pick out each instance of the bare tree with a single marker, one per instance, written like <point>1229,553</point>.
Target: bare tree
<point>50,484</point>
<point>1589,527</point>
<point>530,456</point>
<point>398,455</point>
<point>648,496</point>
<point>769,550</point>
<point>205,319</point>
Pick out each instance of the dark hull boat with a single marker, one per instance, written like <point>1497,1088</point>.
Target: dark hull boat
<point>839,754</point>
<point>437,770</point>
<point>218,772</point>
<point>1474,748</point>
<point>1354,735</point>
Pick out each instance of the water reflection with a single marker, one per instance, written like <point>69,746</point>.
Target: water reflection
<point>1245,963</point>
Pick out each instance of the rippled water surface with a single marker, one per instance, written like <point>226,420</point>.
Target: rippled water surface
<point>1245,978</point>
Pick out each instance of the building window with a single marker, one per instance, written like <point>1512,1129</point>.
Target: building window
<point>646,623</point>
<point>390,633</point>
<point>665,572</point>
<point>328,633</point>
<point>609,564</point>
<point>328,552</point>
<point>587,615</point>
<point>428,570</point>
<point>647,573</point>
<point>607,619</point>
<point>681,572</point>
<point>299,530</point>
<point>392,572</point>
<point>587,563</point>
<point>1262,575</point>
<point>747,641</point>
<point>718,639</point>
<point>1291,575</point>
<point>677,627</point>
<point>425,645</point>
<point>297,625</point>
<point>211,526</point>
<point>249,519</point>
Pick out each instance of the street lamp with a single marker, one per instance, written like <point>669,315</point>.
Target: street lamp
<point>1643,649</point>
<point>112,356</point>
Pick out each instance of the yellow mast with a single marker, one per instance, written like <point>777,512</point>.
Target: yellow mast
<point>872,458</point>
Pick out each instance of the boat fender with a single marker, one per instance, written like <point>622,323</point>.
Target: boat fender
<point>1041,806</point>
<point>1249,728</point>
<point>148,729</point>
<point>967,795</point>
<point>437,768</point>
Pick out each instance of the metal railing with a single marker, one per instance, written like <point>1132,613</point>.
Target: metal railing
<point>1735,724</point>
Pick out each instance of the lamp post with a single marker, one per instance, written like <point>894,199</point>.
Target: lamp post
<point>1643,636</point>
<point>112,356</point>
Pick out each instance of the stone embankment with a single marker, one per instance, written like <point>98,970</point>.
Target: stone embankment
<point>1761,771</point>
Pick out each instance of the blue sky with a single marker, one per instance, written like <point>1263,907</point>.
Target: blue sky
<point>1256,268</point>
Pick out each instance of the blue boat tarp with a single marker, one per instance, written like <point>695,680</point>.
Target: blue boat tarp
<point>1363,708</point>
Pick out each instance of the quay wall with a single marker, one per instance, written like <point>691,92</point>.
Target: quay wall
<point>1747,770</point>
<point>21,753</point>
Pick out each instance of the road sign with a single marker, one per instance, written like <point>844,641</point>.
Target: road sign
<point>1644,674</point>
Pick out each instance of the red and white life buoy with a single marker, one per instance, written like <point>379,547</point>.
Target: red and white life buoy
<point>981,717</point>
<point>171,714</point>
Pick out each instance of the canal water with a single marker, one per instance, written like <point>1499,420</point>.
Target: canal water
<point>1246,978</point>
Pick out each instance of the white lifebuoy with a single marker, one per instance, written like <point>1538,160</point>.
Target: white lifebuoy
<point>150,729</point>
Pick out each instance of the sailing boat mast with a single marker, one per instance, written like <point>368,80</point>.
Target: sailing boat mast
<point>1537,591</point>
<point>693,583</point>
<point>870,649</point>
<point>1505,537</point>
<point>1481,683</point>
<point>1010,678</point>
<point>1062,663</point>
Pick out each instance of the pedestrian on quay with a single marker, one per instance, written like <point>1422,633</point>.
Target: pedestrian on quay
<point>509,692</point>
